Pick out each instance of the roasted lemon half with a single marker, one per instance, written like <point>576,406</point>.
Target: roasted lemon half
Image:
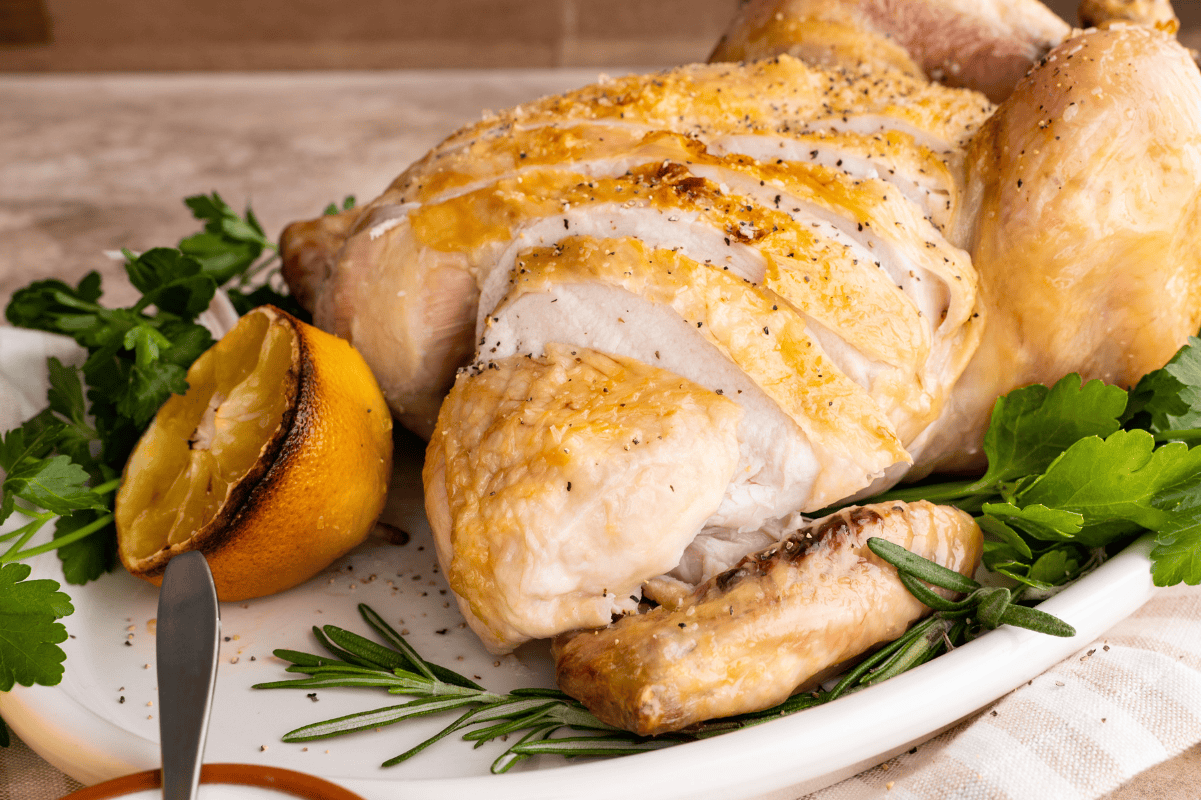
<point>273,464</point>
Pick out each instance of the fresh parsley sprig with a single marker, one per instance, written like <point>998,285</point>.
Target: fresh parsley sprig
<point>230,249</point>
<point>229,244</point>
<point>64,464</point>
<point>347,204</point>
<point>1076,471</point>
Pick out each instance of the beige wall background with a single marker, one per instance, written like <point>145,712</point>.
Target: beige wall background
<point>145,35</point>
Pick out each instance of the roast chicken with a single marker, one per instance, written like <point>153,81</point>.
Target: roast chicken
<point>652,325</point>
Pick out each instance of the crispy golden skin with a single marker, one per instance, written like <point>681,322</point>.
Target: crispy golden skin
<point>538,476</point>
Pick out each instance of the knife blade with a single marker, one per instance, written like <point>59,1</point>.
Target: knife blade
<point>188,633</point>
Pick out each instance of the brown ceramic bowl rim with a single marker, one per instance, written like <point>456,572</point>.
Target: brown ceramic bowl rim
<point>297,784</point>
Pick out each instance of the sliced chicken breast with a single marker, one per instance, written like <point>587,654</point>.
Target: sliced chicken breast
<point>540,475</point>
<point>809,434</point>
<point>400,282</point>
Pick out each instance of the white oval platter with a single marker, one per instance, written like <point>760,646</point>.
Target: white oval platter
<point>101,721</point>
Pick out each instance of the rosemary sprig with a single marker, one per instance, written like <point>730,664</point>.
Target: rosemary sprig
<point>398,668</point>
<point>537,714</point>
<point>983,608</point>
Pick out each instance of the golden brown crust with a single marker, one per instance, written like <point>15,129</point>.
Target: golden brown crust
<point>1087,187</point>
<point>845,423</point>
<point>403,287</point>
<point>538,476</point>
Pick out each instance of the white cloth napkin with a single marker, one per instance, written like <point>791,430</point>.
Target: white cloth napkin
<point>1128,701</point>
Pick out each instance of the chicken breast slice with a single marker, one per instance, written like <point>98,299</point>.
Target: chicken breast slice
<point>750,637</point>
<point>809,434</point>
<point>539,477</point>
<point>884,279</point>
<point>922,167</point>
<point>777,96</point>
<point>402,300</point>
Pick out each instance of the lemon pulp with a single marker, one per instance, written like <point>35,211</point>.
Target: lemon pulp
<point>206,441</point>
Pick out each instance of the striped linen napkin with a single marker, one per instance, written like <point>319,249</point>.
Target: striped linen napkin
<point>1128,701</point>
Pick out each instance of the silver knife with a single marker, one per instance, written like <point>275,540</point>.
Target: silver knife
<point>188,633</point>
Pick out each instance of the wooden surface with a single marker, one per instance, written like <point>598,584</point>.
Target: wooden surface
<point>94,164</point>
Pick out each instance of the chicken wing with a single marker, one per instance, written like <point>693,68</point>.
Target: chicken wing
<point>751,636</point>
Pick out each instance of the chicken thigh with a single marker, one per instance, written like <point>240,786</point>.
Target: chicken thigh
<point>1085,192</point>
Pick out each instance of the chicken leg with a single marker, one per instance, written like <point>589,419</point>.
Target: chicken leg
<point>986,45</point>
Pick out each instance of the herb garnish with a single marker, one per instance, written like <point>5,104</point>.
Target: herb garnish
<point>64,462</point>
<point>539,713</point>
<point>1076,472</point>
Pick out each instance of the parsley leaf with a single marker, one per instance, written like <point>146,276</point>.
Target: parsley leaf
<point>88,558</point>
<point>149,388</point>
<point>1176,557</point>
<point>1054,567</point>
<point>229,244</point>
<point>1037,520</point>
<point>171,281</point>
<point>347,204</point>
<point>1076,470</point>
<point>67,406</point>
<point>36,438</point>
<point>1116,479</point>
<point>29,634</point>
<point>51,305</point>
<point>56,484</point>
<point>1031,426</point>
<point>1167,402</point>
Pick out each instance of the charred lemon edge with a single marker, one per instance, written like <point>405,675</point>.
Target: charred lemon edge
<point>263,478</point>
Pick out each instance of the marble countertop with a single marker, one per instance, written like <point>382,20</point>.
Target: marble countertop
<point>97,163</point>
